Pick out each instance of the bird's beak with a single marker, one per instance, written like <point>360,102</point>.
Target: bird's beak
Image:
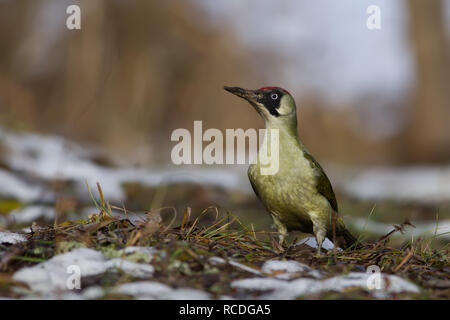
<point>249,95</point>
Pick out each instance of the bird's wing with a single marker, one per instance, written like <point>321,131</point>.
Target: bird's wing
<point>323,183</point>
<point>254,188</point>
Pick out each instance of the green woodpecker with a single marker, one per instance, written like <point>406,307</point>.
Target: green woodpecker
<point>299,195</point>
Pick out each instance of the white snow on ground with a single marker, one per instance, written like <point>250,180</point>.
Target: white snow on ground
<point>32,213</point>
<point>133,249</point>
<point>93,292</point>
<point>12,238</point>
<point>282,289</point>
<point>424,184</point>
<point>311,241</point>
<point>52,275</point>
<point>287,266</point>
<point>219,261</point>
<point>287,269</point>
<point>14,187</point>
<point>135,269</point>
<point>156,290</point>
<point>440,228</point>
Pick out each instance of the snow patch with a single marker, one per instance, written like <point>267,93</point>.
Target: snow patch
<point>14,187</point>
<point>218,261</point>
<point>52,275</point>
<point>133,249</point>
<point>311,241</point>
<point>440,228</point>
<point>287,269</point>
<point>422,184</point>
<point>93,292</point>
<point>138,270</point>
<point>32,213</point>
<point>156,290</point>
<point>12,238</point>
<point>282,289</point>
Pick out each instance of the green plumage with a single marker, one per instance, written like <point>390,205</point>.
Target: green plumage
<point>323,183</point>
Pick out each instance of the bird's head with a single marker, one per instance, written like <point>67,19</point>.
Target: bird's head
<point>274,104</point>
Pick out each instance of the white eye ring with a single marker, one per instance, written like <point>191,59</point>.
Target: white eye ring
<point>274,96</point>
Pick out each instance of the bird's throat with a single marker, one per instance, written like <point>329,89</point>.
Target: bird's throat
<point>280,145</point>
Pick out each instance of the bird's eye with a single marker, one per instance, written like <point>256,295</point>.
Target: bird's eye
<point>274,96</point>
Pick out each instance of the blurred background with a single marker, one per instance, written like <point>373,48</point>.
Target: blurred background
<point>99,104</point>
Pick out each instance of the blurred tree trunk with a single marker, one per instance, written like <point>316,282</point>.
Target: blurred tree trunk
<point>429,130</point>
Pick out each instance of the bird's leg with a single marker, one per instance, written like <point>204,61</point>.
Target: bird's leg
<point>282,230</point>
<point>320,237</point>
<point>319,229</point>
<point>282,237</point>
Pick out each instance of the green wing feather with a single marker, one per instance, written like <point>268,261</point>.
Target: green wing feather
<point>323,183</point>
<point>254,189</point>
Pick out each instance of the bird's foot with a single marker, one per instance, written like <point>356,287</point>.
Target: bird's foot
<point>277,246</point>
<point>319,253</point>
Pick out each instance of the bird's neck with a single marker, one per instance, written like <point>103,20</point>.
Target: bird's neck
<point>287,131</point>
<point>280,141</point>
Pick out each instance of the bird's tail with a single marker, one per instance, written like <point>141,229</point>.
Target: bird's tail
<point>350,240</point>
<point>343,236</point>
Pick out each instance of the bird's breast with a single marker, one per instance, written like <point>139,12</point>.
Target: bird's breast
<point>292,188</point>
